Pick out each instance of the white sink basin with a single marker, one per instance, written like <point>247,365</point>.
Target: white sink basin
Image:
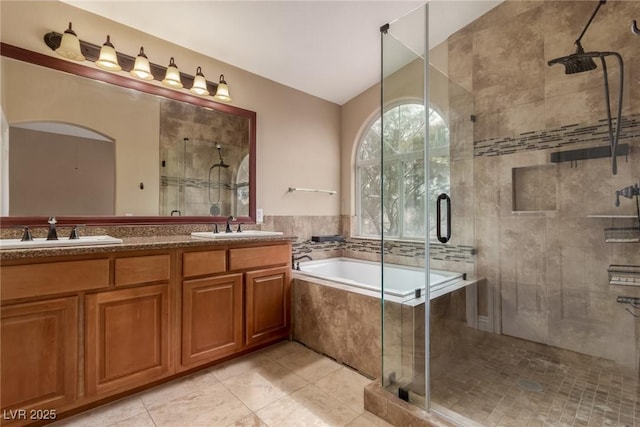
<point>235,234</point>
<point>41,242</point>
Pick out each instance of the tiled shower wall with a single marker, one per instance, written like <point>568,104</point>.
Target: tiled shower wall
<point>185,165</point>
<point>546,264</point>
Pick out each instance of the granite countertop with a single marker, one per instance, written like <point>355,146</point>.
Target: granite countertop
<point>137,243</point>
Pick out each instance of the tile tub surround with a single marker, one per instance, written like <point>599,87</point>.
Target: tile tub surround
<point>341,324</point>
<point>345,325</point>
<point>285,384</point>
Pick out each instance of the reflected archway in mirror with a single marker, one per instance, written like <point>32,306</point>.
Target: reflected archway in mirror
<point>61,169</point>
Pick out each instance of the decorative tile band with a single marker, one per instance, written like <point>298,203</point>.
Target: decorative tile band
<point>558,137</point>
<point>197,183</point>
<point>456,253</point>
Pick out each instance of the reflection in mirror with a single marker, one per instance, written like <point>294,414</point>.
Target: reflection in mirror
<point>201,153</point>
<point>146,125</point>
<point>60,168</point>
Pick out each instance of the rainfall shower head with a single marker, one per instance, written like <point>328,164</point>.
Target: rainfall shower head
<point>582,61</point>
<point>577,62</point>
<point>221,163</point>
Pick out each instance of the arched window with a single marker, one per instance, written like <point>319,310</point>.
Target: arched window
<point>402,152</point>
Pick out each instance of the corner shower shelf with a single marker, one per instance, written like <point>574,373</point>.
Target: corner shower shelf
<point>624,275</point>
<point>622,235</point>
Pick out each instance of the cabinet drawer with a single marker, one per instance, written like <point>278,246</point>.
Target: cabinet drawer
<point>142,269</point>
<point>23,281</point>
<point>202,263</point>
<point>262,256</point>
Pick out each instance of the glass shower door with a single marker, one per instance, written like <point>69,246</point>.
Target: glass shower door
<point>172,177</point>
<point>404,208</point>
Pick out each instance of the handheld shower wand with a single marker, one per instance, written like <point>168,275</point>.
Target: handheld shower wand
<point>215,206</point>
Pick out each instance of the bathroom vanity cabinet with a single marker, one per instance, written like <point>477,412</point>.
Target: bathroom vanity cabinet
<point>127,329</point>
<point>241,294</point>
<point>212,317</point>
<point>78,329</point>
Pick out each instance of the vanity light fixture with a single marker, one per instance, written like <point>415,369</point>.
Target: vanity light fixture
<point>108,59</point>
<point>222,94</point>
<point>70,46</point>
<point>172,77</point>
<point>105,57</point>
<point>141,68</point>
<point>199,84</point>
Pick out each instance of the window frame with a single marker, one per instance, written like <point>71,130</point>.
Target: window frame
<point>401,159</point>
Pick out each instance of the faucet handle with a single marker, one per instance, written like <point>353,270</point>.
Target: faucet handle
<point>215,228</point>
<point>239,230</point>
<point>26,233</point>
<point>52,220</point>
<point>74,232</point>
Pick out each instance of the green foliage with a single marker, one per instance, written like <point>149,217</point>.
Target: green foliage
<point>393,202</point>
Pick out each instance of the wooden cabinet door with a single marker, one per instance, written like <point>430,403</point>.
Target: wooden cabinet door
<point>127,338</point>
<point>39,353</point>
<point>211,318</point>
<point>267,304</point>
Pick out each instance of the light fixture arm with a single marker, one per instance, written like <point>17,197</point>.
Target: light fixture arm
<point>92,52</point>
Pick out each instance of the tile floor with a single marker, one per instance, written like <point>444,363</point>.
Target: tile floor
<point>283,385</point>
<point>482,383</point>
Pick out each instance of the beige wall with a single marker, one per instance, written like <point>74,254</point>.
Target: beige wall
<point>290,124</point>
<point>71,171</point>
<point>359,112</point>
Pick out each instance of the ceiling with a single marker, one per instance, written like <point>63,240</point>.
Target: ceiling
<point>329,49</point>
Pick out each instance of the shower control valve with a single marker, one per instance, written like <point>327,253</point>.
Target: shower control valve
<point>628,192</point>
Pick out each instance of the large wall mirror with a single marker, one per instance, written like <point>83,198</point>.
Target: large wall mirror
<point>99,148</point>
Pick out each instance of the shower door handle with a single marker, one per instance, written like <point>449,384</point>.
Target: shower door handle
<point>443,239</point>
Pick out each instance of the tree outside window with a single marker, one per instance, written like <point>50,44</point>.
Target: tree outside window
<point>390,180</point>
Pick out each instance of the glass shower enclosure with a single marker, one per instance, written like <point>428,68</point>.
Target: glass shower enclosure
<point>479,179</point>
<point>427,201</point>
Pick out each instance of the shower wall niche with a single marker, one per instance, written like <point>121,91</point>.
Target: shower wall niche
<point>534,188</point>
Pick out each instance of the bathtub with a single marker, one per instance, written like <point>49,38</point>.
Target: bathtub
<point>400,281</point>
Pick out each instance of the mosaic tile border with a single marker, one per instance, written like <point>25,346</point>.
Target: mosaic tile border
<point>438,251</point>
<point>558,137</point>
<point>197,183</point>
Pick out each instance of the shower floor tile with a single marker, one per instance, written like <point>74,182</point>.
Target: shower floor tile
<point>506,381</point>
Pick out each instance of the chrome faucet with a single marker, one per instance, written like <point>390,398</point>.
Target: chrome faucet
<point>229,219</point>
<point>52,235</point>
